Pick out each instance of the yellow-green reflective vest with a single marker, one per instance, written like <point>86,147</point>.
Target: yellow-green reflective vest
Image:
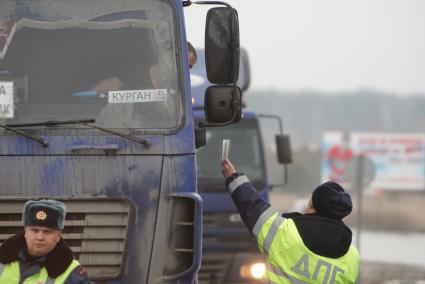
<point>10,274</point>
<point>290,261</point>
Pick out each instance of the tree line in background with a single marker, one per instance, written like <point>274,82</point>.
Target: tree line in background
<point>307,114</point>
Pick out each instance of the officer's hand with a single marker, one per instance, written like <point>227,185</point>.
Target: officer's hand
<point>227,168</point>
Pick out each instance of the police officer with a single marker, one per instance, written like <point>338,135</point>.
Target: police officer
<point>314,247</point>
<point>39,255</point>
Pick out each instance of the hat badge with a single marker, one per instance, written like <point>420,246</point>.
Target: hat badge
<point>41,215</point>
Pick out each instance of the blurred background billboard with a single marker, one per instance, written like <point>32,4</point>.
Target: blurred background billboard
<point>398,158</point>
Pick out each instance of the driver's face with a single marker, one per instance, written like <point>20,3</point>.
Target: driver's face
<point>192,59</point>
<point>5,28</point>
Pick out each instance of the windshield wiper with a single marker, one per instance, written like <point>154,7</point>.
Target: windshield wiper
<point>85,122</point>
<point>28,135</point>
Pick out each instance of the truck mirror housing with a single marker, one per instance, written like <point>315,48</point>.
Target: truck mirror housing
<point>283,146</point>
<point>244,79</point>
<point>222,45</point>
<point>200,137</point>
<point>222,105</point>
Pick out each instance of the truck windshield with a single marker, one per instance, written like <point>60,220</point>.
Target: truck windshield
<point>245,153</point>
<point>111,60</point>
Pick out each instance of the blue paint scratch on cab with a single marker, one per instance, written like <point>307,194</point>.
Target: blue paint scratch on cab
<point>53,175</point>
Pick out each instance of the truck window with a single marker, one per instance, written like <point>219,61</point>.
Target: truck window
<point>72,61</point>
<point>245,152</point>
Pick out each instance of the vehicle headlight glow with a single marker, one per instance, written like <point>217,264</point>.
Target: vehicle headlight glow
<point>253,270</point>
<point>258,270</point>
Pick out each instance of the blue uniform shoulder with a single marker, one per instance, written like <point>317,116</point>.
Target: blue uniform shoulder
<point>78,276</point>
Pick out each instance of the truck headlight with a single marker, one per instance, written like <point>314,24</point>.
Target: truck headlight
<point>255,270</point>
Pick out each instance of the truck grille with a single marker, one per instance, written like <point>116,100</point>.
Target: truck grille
<point>214,268</point>
<point>221,234</point>
<point>96,229</point>
<point>222,239</point>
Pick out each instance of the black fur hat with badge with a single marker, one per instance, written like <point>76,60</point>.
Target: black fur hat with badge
<point>45,213</point>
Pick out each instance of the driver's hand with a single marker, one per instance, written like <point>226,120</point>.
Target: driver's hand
<point>109,84</point>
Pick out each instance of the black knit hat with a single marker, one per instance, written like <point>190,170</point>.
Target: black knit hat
<point>45,213</point>
<point>330,200</point>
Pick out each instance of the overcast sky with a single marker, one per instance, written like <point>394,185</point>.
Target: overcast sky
<point>329,45</point>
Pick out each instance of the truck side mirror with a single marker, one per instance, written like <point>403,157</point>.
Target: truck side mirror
<point>222,45</point>
<point>283,146</point>
<point>244,79</point>
<point>222,105</point>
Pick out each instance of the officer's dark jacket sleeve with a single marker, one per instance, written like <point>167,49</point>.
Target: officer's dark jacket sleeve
<point>249,203</point>
<point>78,276</point>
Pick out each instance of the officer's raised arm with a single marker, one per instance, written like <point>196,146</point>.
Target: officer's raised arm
<point>249,203</point>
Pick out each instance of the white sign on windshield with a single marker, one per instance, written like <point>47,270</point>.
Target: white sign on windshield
<point>6,99</point>
<point>137,96</point>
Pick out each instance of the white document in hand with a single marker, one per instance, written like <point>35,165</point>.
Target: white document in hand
<point>225,149</point>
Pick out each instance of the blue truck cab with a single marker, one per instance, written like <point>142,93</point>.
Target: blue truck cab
<point>230,254</point>
<point>95,110</point>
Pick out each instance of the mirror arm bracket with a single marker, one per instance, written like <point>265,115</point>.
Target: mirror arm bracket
<point>285,182</point>
<point>207,3</point>
<point>277,117</point>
